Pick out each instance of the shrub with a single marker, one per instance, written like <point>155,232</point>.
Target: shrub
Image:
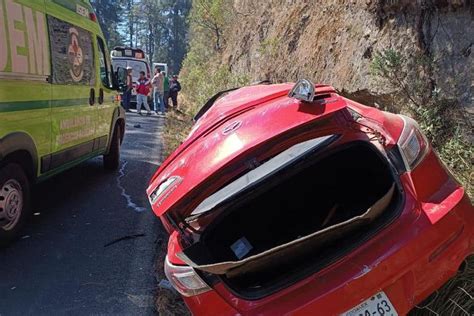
<point>442,120</point>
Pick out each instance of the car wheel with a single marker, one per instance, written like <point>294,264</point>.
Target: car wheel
<point>14,201</point>
<point>112,159</point>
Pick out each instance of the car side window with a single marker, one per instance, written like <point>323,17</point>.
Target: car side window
<point>72,53</point>
<point>105,70</point>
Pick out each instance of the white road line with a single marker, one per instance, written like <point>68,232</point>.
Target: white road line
<point>123,192</point>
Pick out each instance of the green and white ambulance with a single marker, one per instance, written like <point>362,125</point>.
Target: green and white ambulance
<point>59,99</point>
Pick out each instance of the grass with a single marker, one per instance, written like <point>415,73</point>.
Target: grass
<point>455,298</point>
<point>177,127</point>
<point>168,302</point>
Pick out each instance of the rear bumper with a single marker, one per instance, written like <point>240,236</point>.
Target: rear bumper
<point>409,260</point>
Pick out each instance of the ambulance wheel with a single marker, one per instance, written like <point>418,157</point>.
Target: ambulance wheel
<point>112,159</point>
<point>14,201</point>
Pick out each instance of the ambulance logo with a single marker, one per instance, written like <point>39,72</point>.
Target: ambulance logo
<point>76,58</point>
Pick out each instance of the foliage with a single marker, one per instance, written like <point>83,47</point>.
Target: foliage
<point>211,16</point>
<point>443,121</point>
<point>269,47</point>
<point>202,81</point>
<point>202,74</point>
<point>159,27</point>
<point>109,13</point>
<point>177,127</point>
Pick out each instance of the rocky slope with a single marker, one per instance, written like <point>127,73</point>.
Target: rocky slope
<point>334,42</point>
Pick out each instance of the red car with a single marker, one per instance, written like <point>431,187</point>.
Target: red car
<point>291,199</point>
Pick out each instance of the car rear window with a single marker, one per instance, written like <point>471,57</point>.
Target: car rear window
<point>137,66</point>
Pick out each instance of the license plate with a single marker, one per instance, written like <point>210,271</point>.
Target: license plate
<point>377,305</point>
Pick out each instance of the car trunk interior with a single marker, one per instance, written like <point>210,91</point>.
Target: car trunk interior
<point>331,188</point>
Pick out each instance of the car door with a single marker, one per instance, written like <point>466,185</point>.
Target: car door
<point>74,96</point>
<point>107,98</point>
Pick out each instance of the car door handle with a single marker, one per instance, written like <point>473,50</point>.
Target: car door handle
<point>92,97</point>
<point>101,96</point>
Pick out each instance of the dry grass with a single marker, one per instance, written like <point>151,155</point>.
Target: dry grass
<point>455,298</point>
<point>168,302</point>
<point>177,127</point>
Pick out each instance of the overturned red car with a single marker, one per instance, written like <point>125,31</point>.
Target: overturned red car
<point>291,199</point>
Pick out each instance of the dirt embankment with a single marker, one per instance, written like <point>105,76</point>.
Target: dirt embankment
<point>334,42</point>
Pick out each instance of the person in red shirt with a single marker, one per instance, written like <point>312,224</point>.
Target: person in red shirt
<point>143,89</point>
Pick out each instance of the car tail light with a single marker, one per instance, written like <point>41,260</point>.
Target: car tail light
<point>164,189</point>
<point>93,17</point>
<point>185,280</point>
<point>412,143</point>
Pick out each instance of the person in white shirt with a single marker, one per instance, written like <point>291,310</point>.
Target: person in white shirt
<point>158,92</point>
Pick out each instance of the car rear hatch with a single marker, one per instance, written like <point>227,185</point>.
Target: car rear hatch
<point>242,135</point>
<point>295,186</point>
<point>296,213</point>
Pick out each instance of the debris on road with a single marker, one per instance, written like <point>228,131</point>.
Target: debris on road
<point>124,238</point>
<point>165,284</point>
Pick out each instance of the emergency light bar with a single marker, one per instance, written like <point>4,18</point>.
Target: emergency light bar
<point>303,90</point>
<point>128,52</point>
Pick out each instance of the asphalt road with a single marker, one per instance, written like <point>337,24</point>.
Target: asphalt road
<point>78,256</point>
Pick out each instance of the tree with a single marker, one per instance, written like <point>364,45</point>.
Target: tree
<point>159,27</point>
<point>109,14</point>
<point>210,16</point>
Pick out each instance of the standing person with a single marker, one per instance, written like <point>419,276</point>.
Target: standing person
<point>143,90</point>
<point>175,87</point>
<point>158,92</point>
<point>166,88</point>
<point>127,94</point>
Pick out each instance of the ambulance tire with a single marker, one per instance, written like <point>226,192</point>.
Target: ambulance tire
<point>112,159</point>
<point>15,195</point>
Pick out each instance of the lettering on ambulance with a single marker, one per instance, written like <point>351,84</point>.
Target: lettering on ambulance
<point>37,46</point>
<point>17,37</point>
<point>72,129</point>
<point>23,40</point>
<point>3,40</point>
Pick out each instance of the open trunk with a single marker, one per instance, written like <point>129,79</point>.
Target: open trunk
<point>298,221</point>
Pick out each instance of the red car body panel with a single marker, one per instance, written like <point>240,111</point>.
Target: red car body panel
<point>421,259</point>
<point>408,260</point>
<point>197,165</point>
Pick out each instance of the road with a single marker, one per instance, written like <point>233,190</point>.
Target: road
<point>78,256</point>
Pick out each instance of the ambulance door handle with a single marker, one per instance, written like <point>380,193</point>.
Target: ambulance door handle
<point>92,97</point>
<point>101,96</point>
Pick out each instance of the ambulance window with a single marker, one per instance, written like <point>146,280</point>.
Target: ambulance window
<point>72,53</point>
<point>105,73</point>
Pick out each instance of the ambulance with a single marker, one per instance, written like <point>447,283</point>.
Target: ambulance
<point>59,99</point>
<point>135,58</point>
